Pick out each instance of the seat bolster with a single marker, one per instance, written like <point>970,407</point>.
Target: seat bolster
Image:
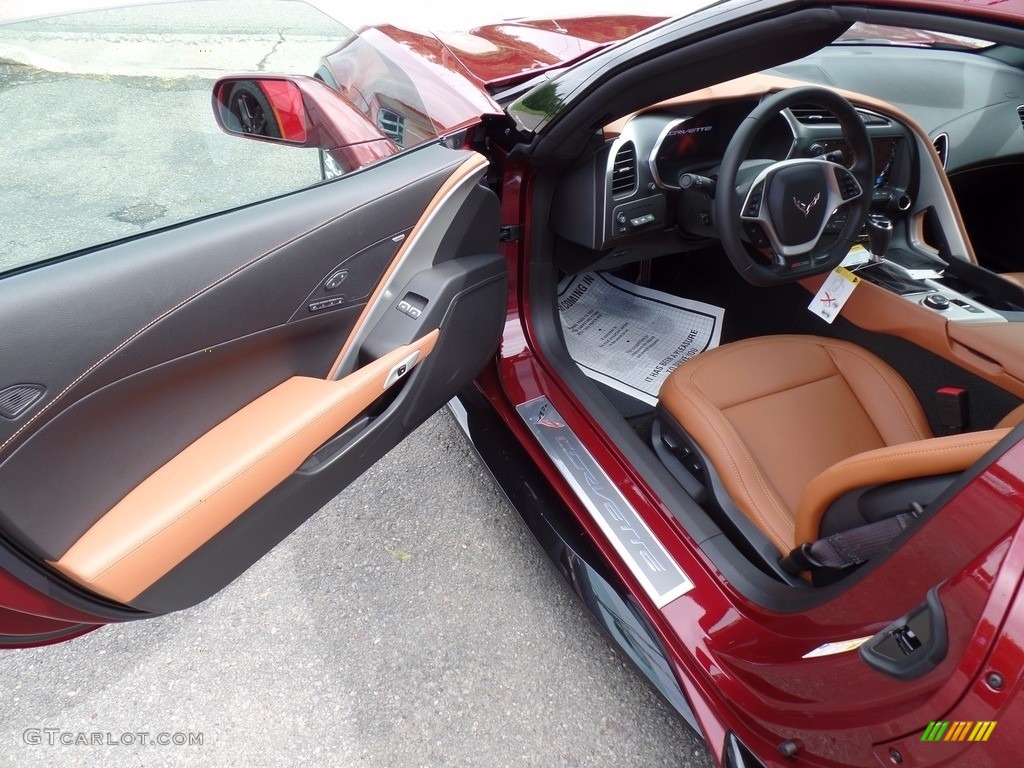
<point>922,458</point>
<point>886,398</point>
<point>744,481</point>
<point>1012,419</point>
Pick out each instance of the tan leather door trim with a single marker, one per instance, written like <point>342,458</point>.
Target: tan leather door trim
<point>212,482</point>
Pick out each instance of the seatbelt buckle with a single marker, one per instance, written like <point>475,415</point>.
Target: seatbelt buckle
<point>799,560</point>
<point>953,411</point>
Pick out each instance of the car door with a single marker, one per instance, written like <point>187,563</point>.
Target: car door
<point>175,404</point>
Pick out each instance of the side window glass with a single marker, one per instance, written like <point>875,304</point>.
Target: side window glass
<point>108,126</point>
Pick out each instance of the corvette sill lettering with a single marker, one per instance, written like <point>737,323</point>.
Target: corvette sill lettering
<point>660,576</point>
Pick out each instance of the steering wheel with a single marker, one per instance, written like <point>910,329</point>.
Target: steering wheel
<point>783,207</point>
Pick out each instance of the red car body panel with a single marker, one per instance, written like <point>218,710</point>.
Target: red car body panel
<point>446,80</point>
<point>434,91</point>
<point>992,10</point>
<point>286,101</point>
<point>309,113</point>
<point>29,618</point>
<point>498,54</point>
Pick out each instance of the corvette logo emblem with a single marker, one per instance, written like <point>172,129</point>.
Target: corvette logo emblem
<point>806,208</point>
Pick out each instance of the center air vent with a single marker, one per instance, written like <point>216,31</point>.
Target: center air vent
<point>808,114</point>
<point>941,143</point>
<point>624,170</point>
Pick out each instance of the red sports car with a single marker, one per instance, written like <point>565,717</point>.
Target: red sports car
<point>727,303</point>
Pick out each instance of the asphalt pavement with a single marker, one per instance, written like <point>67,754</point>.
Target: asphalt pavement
<point>412,622</point>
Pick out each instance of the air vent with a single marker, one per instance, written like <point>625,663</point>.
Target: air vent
<point>811,115</point>
<point>392,125</point>
<point>941,143</point>
<point>15,400</point>
<point>1020,114</point>
<point>624,170</point>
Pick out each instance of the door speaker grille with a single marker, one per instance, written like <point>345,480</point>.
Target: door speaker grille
<point>17,399</point>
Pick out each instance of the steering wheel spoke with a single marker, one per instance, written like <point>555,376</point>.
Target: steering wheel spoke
<point>792,203</point>
<point>791,209</point>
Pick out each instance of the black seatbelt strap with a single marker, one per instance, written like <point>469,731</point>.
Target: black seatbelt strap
<point>846,548</point>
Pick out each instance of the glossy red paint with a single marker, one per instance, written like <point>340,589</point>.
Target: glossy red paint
<point>741,665</point>
<point>27,614</point>
<point>333,123</point>
<point>412,74</point>
<point>522,375</point>
<point>286,100</point>
<point>996,10</point>
<point>500,54</point>
<point>998,645</point>
<point>745,663</point>
<point>316,116</point>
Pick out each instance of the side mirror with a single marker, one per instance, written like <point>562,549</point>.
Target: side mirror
<point>299,111</point>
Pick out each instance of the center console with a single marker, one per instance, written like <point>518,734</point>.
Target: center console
<point>950,306</point>
<point>930,283</point>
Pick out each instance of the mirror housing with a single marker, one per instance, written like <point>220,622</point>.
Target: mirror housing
<point>298,111</point>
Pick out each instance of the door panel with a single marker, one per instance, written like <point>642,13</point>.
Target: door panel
<point>103,445</point>
<point>170,359</point>
<point>196,494</point>
<point>470,301</point>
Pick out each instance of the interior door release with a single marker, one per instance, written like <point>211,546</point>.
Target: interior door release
<point>401,369</point>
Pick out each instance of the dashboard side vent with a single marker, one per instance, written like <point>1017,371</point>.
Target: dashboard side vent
<point>808,114</point>
<point>1020,114</point>
<point>624,174</point>
<point>941,143</point>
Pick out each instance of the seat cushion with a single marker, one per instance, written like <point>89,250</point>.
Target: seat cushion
<point>773,412</point>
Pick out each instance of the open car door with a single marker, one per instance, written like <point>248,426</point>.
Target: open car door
<point>175,404</point>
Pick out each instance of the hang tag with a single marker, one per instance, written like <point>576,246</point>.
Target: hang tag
<point>833,294</point>
<point>857,257</point>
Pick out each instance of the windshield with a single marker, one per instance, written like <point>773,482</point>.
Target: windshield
<point>877,34</point>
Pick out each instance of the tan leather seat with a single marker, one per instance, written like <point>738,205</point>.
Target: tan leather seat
<point>790,423</point>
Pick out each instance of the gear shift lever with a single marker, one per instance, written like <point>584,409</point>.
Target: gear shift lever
<point>879,236</point>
